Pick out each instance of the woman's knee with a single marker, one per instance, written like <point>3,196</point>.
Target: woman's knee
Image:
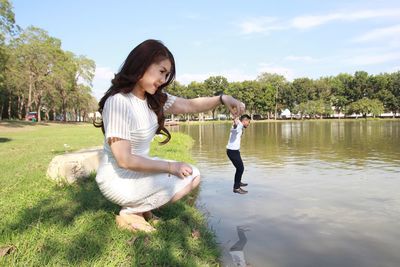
<point>196,181</point>
<point>187,189</point>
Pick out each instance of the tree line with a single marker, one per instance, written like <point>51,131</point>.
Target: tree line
<point>36,74</point>
<point>269,94</point>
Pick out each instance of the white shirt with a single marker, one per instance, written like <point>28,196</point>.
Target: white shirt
<point>235,136</point>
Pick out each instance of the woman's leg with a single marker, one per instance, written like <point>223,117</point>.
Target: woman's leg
<point>148,215</point>
<point>186,190</point>
<point>133,222</point>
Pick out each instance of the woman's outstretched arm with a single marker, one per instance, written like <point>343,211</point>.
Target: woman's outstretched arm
<point>202,104</point>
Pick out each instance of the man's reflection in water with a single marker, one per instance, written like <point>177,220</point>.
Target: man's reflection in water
<point>236,250</point>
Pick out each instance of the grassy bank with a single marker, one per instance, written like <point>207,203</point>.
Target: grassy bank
<point>45,224</point>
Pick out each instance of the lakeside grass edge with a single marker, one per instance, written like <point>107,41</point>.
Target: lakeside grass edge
<point>74,224</point>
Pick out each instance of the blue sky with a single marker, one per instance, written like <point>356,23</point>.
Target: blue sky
<point>236,39</point>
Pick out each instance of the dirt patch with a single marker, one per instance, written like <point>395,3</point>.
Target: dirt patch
<point>17,126</point>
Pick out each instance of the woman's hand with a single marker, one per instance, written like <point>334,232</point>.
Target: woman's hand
<point>180,169</point>
<point>236,121</point>
<point>235,106</point>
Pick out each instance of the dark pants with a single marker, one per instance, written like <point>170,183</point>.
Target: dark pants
<point>234,156</point>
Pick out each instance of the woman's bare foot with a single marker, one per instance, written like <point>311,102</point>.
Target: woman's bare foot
<point>133,223</point>
<point>150,217</point>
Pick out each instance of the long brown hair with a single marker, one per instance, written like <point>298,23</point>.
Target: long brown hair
<point>133,69</point>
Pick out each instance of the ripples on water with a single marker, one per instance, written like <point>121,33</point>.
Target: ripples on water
<point>320,193</point>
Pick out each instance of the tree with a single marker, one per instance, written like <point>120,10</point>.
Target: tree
<point>84,69</point>
<point>36,54</point>
<point>276,82</point>
<point>216,85</point>
<point>248,92</point>
<point>288,96</point>
<point>366,106</point>
<point>323,88</point>
<point>7,19</point>
<point>394,88</point>
<point>359,86</point>
<point>266,100</point>
<point>339,97</point>
<point>44,78</point>
<point>304,90</point>
<point>7,28</point>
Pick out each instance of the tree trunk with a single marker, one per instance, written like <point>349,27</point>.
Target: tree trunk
<point>38,98</point>
<point>1,110</point>
<point>9,107</point>
<point>38,112</point>
<point>28,106</point>
<point>276,104</point>
<point>64,111</point>
<point>20,106</point>
<point>201,116</point>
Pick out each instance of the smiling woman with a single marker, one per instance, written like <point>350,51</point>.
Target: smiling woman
<point>132,113</point>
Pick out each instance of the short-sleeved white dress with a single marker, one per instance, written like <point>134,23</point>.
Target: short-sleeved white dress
<point>129,117</point>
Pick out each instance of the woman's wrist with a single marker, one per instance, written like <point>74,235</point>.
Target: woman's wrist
<point>169,168</point>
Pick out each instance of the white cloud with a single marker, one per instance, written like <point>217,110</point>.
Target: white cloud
<point>192,16</point>
<point>373,59</point>
<point>197,43</point>
<point>286,72</point>
<point>103,73</point>
<point>187,78</point>
<point>379,34</point>
<point>102,81</point>
<point>268,24</point>
<point>300,58</point>
<point>233,75</point>
<point>393,69</point>
<point>305,22</point>
<point>259,25</point>
<point>372,13</point>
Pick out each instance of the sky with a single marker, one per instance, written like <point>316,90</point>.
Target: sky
<point>235,39</point>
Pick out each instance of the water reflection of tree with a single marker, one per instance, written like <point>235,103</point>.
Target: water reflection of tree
<point>358,141</point>
<point>326,140</point>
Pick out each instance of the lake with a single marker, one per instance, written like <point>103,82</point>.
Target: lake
<point>321,193</point>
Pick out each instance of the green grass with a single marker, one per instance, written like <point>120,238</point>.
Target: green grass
<point>57,225</point>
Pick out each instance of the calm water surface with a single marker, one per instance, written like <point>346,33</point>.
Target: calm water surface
<point>320,193</point>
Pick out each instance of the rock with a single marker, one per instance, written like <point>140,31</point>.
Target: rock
<point>74,166</point>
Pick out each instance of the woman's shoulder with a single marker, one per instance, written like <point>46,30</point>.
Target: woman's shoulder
<point>118,98</point>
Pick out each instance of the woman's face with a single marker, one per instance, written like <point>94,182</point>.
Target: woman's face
<point>156,75</point>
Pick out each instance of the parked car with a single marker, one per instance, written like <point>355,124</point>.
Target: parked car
<point>31,116</point>
<point>59,117</point>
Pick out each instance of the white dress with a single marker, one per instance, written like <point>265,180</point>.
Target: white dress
<point>130,118</point>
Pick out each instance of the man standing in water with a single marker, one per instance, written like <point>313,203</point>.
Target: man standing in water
<point>233,151</point>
